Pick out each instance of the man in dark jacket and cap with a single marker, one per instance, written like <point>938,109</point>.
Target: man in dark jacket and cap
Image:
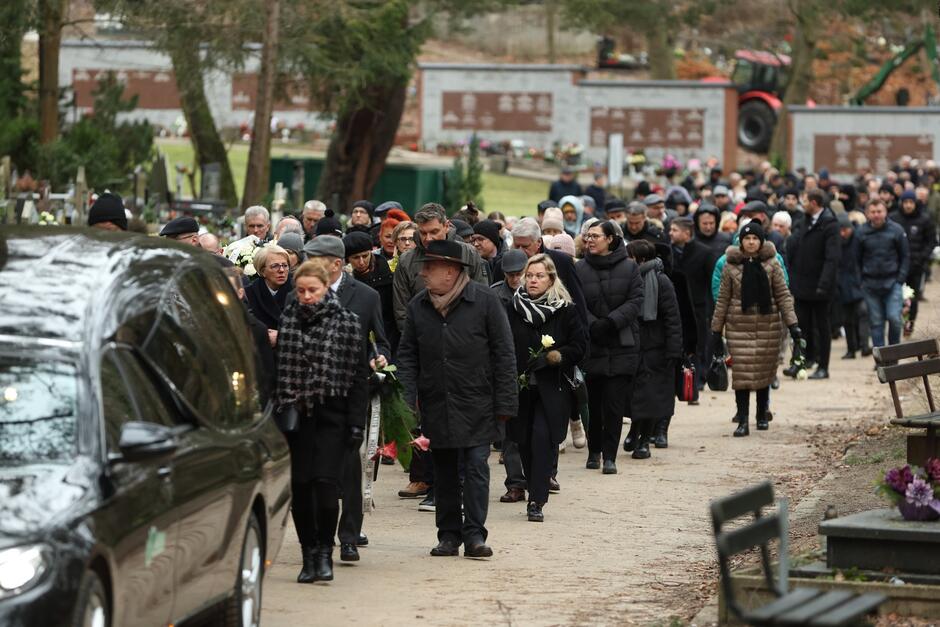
<point>813,253</point>
<point>183,229</point>
<point>706,219</point>
<point>372,269</point>
<point>107,213</point>
<point>566,185</point>
<point>850,291</point>
<point>696,262</point>
<point>490,245</point>
<point>460,373</point>
<point>921,240</point>
<point>884,261</point>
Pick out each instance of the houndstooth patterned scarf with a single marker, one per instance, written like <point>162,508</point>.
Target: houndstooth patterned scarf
<point>318,348</point>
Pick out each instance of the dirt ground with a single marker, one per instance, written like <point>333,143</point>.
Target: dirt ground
<point>628,549</point>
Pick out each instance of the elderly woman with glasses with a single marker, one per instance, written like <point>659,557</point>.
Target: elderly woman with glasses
<point>549,341</point>
<point>267,294</point>
<point>404,237</point>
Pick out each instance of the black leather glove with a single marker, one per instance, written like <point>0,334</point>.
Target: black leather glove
<point>356,436</point>
<point>601,329</point>
<point>822,293</point>
<point>795,332</point>
<point>718,345</point>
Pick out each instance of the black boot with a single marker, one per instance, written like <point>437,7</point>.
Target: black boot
<point>323,563</point>
<point>629,442</point>
<point>743,428</point>
<point>661,433</point>
<point>642,448</point>
<point>307,572</point>
<point>762,424</point>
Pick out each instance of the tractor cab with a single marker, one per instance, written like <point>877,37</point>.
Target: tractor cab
<point>760,71</point>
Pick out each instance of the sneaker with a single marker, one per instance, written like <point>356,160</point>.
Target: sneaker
<point>414,490</point>
<point>577,434</point>
<point>427,505</point>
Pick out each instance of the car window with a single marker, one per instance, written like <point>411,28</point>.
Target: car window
<point>116,403</point>
<point>152,403</point>
<point>38,411</point>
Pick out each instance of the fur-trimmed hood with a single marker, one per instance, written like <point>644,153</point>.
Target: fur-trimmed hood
<point>735,255</point>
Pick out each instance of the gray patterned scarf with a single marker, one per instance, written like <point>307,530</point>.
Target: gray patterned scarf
<point>649,271</point>
<point>535,312</point>
<point>318,350</point>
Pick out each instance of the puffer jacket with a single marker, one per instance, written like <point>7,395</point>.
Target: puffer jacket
<point>753,337</point>
<point>612,289</point>
<point>921,234</point>
<point>883,256</point>
<point>407,283</point>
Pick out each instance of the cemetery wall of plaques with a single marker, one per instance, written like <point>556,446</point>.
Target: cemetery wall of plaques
<point>148,74</point>
<point>544,104</point>
<point>850,140</point>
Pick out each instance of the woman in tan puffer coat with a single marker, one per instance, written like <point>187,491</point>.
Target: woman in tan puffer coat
<point>751,299</point>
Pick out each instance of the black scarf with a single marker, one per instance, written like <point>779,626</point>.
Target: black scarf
<point>318,350</point>
<point>755,287</point>
<point>535,312</point>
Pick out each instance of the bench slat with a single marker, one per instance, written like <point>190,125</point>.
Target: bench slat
<point>757,533</point>
<point>820,605</point>
<point>848,613</point>
<point>743,502</point>
<point>910,370</point>
<point>897,352</point>
<point>785,603</point>
<point>922,421</point>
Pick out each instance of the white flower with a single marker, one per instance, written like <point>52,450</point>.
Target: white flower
<point>547,341</point>
<point>908,292</point>
<point>250,270</point>
<point>801,374</point>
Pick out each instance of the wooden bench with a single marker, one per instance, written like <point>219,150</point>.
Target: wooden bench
<point>892,368</point>
<point>801,606</point>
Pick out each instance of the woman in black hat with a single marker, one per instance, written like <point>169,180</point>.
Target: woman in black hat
<point>549,342</point>
<point>752,295</point>
<point>322,375</point>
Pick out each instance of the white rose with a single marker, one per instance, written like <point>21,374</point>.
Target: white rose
<point>547,341</point>
<point>250,270</point>
<point>801,374</point>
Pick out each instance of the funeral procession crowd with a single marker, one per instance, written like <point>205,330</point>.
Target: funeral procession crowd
<point>509,334</point>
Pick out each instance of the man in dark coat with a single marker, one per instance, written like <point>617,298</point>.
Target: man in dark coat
<point>813,253</point>
<point>460,373</point>
<point>366,303</point>
<point>921,240</point>
<point>372,269</point>
<point>566,185</point>
<point>850,291</point>
<point>707,221</point>
<point>597,191</point>
<point>696,262</point>
<point>884,260</point>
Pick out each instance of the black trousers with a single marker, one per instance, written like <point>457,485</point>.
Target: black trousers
<point>350,522</point>
<point>315,508</point>
<point>703,356</point>
<point>915,279</point>
<point>539,455</point>
<point>470,526</point>
<point>813,316</point>
<point>742,399</point>
<point>607,397</point>
<point>422,468</point>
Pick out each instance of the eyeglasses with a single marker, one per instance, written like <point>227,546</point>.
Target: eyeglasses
<point>540,276</point>
<point>405,240</point>
<point>277,267</point>
<point>592,236</point>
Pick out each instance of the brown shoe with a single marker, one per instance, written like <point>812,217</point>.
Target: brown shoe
<point>414,490</point>
<point>513,495</point>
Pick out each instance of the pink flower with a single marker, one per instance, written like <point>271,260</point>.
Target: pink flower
<point>421,443</point>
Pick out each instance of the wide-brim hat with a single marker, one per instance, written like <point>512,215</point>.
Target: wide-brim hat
<point>443,250</point>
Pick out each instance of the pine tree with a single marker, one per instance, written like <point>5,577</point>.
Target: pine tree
<point>454,197</point>
<point>473,182</point>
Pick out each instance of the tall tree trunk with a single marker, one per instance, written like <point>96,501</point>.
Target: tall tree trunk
<point>359,147</point>
<point>551,14</point>
<point>183,49</point>
<point>806,14</point>
<point>659,51</point>
<point>51,14</point>
<point>259,155</point>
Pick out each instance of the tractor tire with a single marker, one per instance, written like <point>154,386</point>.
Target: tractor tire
<point>756,121</point>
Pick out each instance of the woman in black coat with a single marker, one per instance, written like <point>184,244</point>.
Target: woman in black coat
<point>654,389</point>
<point>322,375</point>
<point>549,341</point>
<point>613,292</point>
<point>267,294</point>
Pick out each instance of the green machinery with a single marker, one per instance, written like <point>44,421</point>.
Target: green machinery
<point>928,43</point>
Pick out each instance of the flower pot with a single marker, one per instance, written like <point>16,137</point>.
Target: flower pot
<point>917,512</point>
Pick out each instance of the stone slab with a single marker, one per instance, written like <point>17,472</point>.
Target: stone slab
<point>880,539</point>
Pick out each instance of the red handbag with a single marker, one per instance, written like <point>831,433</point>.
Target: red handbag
<point>685,382</point>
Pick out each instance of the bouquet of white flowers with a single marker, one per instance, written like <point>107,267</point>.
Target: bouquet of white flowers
<point>242,253</point>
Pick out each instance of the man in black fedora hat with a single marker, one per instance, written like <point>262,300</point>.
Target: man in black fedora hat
<point>465,362</point>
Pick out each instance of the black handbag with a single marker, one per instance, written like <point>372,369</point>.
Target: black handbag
<point>717,377</point>
<point>287,419</point>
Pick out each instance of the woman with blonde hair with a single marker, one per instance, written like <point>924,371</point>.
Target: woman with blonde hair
<point>267,294</point>
<point>549,342</point>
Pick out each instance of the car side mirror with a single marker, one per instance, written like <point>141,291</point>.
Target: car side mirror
<point>142,441</point>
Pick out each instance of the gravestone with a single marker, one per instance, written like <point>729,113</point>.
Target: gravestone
<point>880,539</point>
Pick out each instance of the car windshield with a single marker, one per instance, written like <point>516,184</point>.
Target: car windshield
<point>38,411</point>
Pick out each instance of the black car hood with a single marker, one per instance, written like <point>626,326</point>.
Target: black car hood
<point>34,497</point>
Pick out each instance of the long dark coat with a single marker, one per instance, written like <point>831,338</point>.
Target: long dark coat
<point>551,385</point>
<point>265,307</point>
<point>813,254</point>
<point>380,278</point>
<point>654,389</point>
<point>612,289</point>
<point>459,371</point>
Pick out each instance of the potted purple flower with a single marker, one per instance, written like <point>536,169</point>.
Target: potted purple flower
<point>915,491</point>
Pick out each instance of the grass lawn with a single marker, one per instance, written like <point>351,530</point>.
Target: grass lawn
<point>511,195</point>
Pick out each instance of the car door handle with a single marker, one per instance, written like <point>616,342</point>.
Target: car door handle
<point>164,471</point>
